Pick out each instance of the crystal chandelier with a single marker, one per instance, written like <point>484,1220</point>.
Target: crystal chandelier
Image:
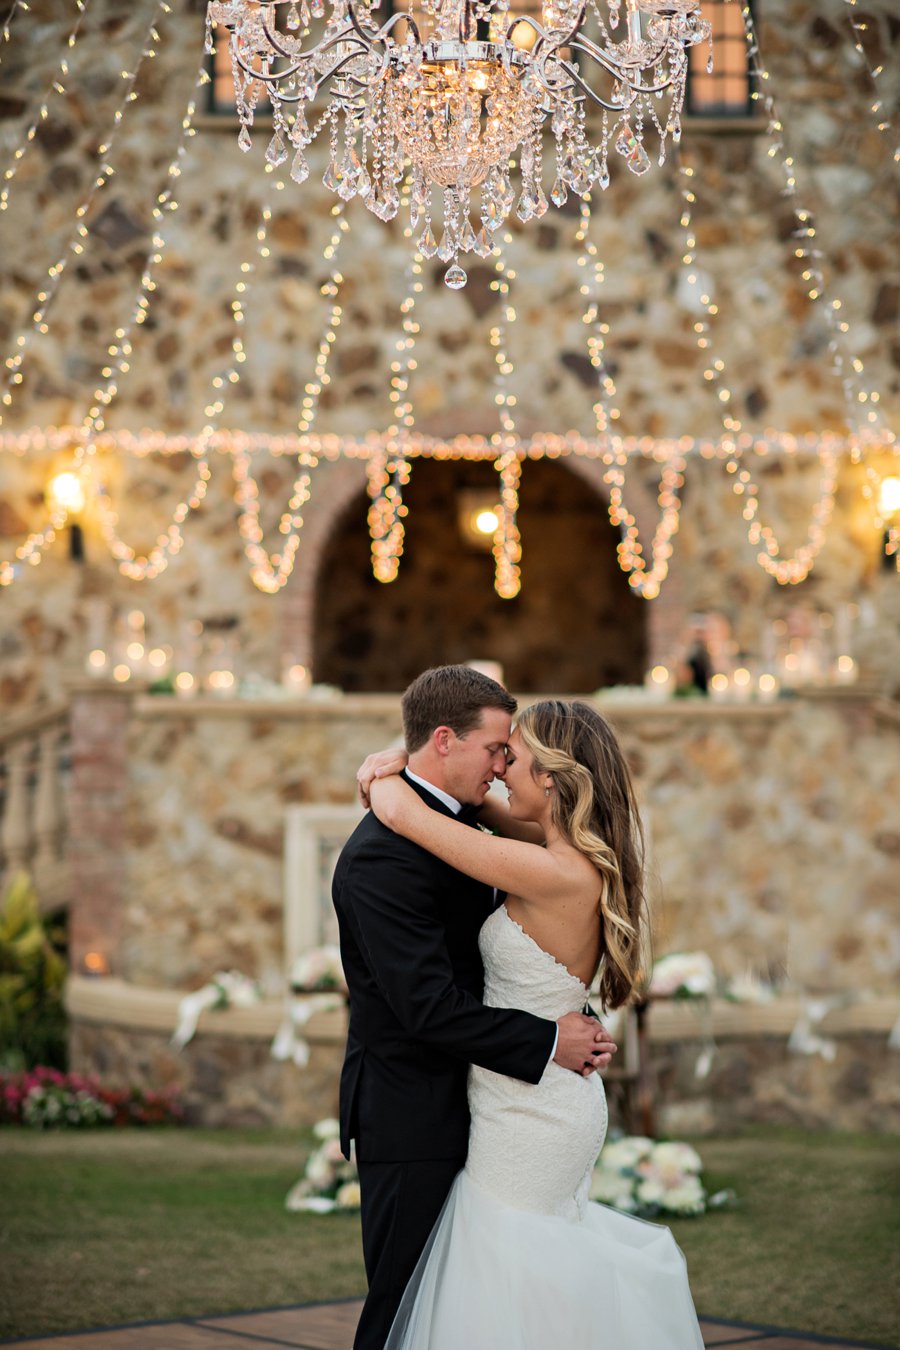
<point>444,97</point>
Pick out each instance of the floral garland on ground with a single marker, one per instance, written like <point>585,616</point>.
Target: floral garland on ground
<point>643,1177</point>
<point>48,1099</point>
<point>636,1175</point>
<point>329,1181</point>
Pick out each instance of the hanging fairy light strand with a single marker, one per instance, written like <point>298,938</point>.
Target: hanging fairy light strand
<point>388,470</point>
<point>269,572</point>
<point>851,369</point>
<point>119,353</point>
<point>7,22</point>
<point>646,581</point>
<point>860,26</point>
<point>507,546</point>
<point>786,570</point>
<point>78,240</point>
<point>120,349</point>
<point>57,86</point>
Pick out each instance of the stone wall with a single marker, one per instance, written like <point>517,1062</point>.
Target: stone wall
<point>773,840</point>
<point>773,339</point>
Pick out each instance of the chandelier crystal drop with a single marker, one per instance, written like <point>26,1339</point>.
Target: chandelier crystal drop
<point>451,93</point>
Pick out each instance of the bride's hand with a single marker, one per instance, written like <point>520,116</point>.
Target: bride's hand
<point>379,765</point>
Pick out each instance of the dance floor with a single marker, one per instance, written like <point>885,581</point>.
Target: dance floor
<point>329,1326</point>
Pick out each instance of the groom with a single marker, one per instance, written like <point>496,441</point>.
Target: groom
<point>409,930</point>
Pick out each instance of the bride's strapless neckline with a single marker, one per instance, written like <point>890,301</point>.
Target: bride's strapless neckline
<point>560,966</point>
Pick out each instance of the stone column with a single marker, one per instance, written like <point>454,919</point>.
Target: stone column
<point>97,850</point>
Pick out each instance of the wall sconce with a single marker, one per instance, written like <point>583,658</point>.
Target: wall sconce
<point>65,497</point>
<point>889,515</point>
<point>478,517</point>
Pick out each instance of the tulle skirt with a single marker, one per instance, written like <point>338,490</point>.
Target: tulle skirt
<point>496,1278</point>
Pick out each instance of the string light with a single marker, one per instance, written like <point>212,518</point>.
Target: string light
<point>57,85</point>
<point>332,447</point>
<point>7,22</point>
<point>270,572</point>
<point>858,27</point>
<point>388,470</point>
<point>76,244</point>
<point>790,570</point>
<point>629,551</point>
<point>507,546</point>
<point>170,541</point>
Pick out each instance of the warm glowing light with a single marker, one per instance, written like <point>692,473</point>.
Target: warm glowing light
<point>742,677</point>
<point>65,492</point>
<point>95,963</point>
<point>97,659</point>
<point>157,658</point>
<point>659,675</point>
<point>719,683</point>
<point>845,670</point>
<point>767,684</point>
<point>486,522</point>
<point>889,498</point>
<point>184,681</point>
<point>122,673</point>
<point>135,651</point>
<point>221,679</point>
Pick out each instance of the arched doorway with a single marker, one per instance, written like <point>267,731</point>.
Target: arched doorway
<point>574,627</point>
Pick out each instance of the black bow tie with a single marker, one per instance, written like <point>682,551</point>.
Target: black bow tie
<point>468,814</point>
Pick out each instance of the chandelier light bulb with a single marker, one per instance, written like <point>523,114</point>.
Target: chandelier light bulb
<point>460,104</point>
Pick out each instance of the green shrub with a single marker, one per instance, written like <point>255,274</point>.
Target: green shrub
<point>32,976</point>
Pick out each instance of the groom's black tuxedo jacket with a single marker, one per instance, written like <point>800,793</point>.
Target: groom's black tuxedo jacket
<point>409,945</point>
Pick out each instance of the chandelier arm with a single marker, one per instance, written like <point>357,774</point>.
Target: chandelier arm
<point>271,78</point>
<point>590,48</point>
<point>384,31</point>
<point>564,41</point>
<point>272,39</point>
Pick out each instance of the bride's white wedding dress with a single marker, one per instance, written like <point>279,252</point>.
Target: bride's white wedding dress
<point>520,1259</point>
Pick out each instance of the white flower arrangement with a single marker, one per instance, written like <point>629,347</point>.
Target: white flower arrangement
<point>639,1176</point>
<point>319,969</point>
<point>329,1181</point>
<point>226,989</point>
<point>683,975</point>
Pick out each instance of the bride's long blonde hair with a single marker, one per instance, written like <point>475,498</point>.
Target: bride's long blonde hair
<point>594,808</point>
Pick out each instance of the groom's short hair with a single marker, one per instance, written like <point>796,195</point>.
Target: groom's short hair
<point>449,696</point>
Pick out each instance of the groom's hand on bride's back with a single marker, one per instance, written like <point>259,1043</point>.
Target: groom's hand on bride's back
<point>584,1046</point>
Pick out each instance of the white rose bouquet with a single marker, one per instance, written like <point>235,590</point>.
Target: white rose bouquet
<point>318,970</point>
<point>329,1181</point>
<point>683,975</point>
<point>642,1177</point>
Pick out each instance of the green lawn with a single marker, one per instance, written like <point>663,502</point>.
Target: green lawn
<point>106,1227</point>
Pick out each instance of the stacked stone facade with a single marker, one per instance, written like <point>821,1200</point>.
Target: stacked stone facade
<point>772,835</point>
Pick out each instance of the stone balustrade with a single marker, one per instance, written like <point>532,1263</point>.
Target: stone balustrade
<point>35,768</point>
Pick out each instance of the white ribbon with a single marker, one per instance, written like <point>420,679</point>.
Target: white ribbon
<point>226,988</point>
<point>804,1038</point>
<point>298,1010</point>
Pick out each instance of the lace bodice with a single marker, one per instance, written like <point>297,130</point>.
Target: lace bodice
<point>532,1146</point>
<point>520,974</point>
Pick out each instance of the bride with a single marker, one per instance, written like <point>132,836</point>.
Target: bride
<point>520,1259</point>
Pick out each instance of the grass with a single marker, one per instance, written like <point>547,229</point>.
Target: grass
<point>107,1227</point>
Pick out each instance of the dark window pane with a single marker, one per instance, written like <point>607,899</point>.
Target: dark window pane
<point>726,91</point>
